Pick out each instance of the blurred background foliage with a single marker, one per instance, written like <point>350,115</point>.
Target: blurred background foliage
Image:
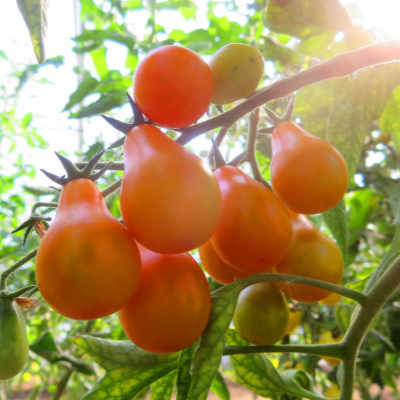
<point>358,113</point>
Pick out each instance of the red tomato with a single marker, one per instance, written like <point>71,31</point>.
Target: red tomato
<point>171,307</point>
<point>218,269</point>
<point>307,173</point>
<point>254,231</point>
<point>313,255</point>
<point>87,265</point>
<point>170,202</point>
<point>173,86</point>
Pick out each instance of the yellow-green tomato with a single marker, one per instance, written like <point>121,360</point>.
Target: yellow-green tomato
<point>13,339</point>
<point>262,314</point>
<point>237,69</point>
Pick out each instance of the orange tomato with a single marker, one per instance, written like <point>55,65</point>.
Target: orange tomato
<point>307,173</point>
<point>87,265</point>
<point>314,255</point>
<point>254,232</point>
<point>169,201</point>
<point>171,307</point>
<point>173,86</point>
<point>217,268</point>
<point>332,299</point>
<point>326,338</point>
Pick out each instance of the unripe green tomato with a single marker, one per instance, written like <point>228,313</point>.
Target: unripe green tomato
<point>237,69</point>
<point>14,345</point>
<point>262,314</point>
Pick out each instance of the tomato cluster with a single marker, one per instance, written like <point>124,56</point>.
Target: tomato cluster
<point>89,265</point>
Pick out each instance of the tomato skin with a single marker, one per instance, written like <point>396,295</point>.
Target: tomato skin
<point>172,305</point>
<point>169,201</point>
<point>173,86</point>
<point>14,345</point>
<point>314,255</point>
<point>217,268</point>
<point>293,322</point>
<point>254,231</point>
<point>87,265</point>
<point>332,299</point>
<point>237,69</point>
<point>261,314</point>
<point>307,172</point>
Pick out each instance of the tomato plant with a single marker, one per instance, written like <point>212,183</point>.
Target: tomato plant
<point>313,254</point>
<point>254,231</point>
<point>325,338</point>
<point>261,314</point>
<point>237,69</point>
<point>170,202</point>
<point>171,307</point>
<point>307,173</point>
<point>14,345</point>
<point>87,265</point>
<point>173,86</point>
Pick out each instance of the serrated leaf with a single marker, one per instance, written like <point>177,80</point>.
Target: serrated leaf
<point>111,354</point>
<point>34,13</point>
<point>106,102</point>
<point>209,353</point>
<point>304,18</point>
<point>124,383</point>
<point>342,110</point>
<point>162,389</point>
<point>86,86</point>
<point>337,220</point>
<point>45,346</point>
<point>389,122</point>
<point>220,388</point>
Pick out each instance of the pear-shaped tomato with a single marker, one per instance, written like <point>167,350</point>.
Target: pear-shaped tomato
<point>261,314</point>
<point>87,265</point>
<point>13,339</point>
<point>170,202</point>
<point>171,307</point>
<point>254,231</point>
<point>217,268</point>
<point>313,255</point>
<point>173,86</point>
<point>307,173</point>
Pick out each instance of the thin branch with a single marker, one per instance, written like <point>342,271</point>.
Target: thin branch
<point>114,166</point>
<point>112,188</point>
<point>346,292</point>
<point>5,274</point>
<point>329,350</point>
<point>338,66</point>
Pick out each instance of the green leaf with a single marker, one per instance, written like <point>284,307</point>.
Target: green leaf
<point>299,383</point>
<point>336,220</point>
<point>45,346</point>
<point>209,353</point>
<point>34,13</point>
<point>162,389</point>
<point>100,61</point>
<point>111,354</point>
<point>86,86</point>
<point>220,388</point>
<point>273,50</point>
<point>342,110</point>
<point>343,312</point>
<point>389,121</point>
<point>184,377</point>
<point>303,18</point>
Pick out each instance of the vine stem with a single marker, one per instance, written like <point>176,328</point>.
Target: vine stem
<point>5,274</point>
<point>375,299</point>
<point>359,297</point>
<point>338,66</point>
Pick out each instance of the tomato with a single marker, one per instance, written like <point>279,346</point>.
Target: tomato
<point>173,86</point>
<point>237,69</point>
<point>217,268</point>
<point>87,265</point>
<point>332,299</point>
<point>14,345</point>
<point>326,338</point>
<point>171,307</point>
<point>294,321</point>
<point>170,202</point>
<point>262,314</point>
<point>332,392</point>
<point>254,231</point>
<point>314,255</point>
<point>307,173</point>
